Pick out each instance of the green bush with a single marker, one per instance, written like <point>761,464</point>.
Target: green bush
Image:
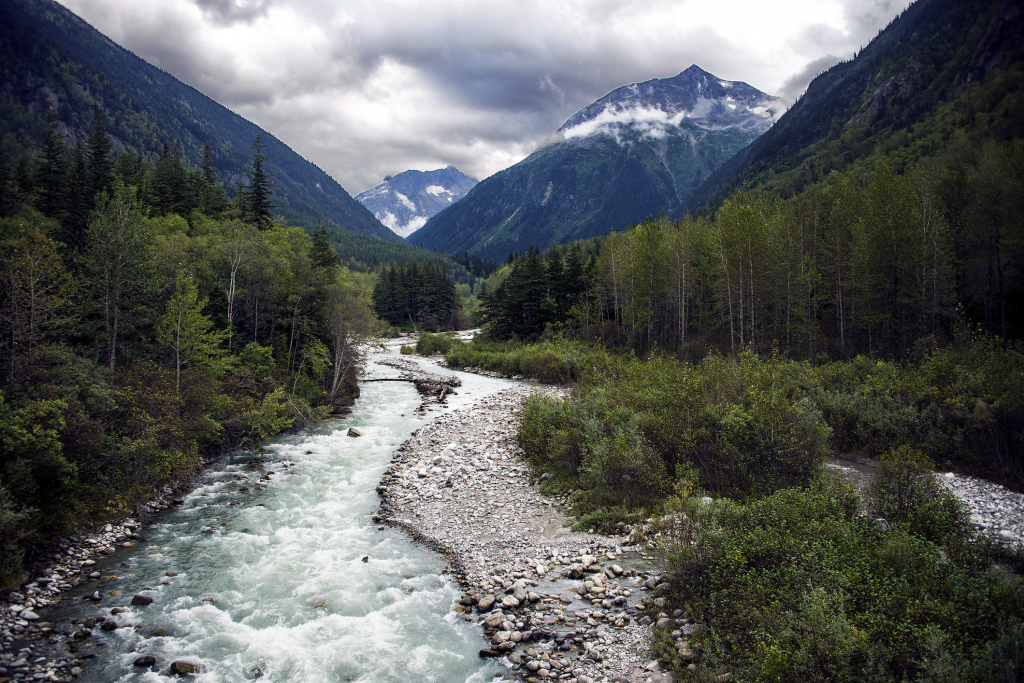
<point>429,344</point>
<point>904,491</point>
<point>798,587</point>
<point>406,350</point>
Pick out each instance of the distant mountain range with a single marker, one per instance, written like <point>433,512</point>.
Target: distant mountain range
<point>405,201</point>
<point>48,54</point>
<point>639,150</point>
<point>941,69</point>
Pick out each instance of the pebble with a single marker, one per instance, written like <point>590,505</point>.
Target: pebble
<point>31,648</point>
<point>538,589</point>
<point>994,510</point>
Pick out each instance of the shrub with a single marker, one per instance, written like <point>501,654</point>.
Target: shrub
<point>406,350</point>
<point>798,587</point>
<point>428,344</point>
<point>904,491</point>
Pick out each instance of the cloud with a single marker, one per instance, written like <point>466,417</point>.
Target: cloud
<point>795,85</point>
<point>367,87</point>
<point>231,11</point>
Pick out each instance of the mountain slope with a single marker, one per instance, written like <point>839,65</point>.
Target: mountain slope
<point>404,202</point>
<point>49,54</point>
<point>941,67</point>
<point>639,150</point>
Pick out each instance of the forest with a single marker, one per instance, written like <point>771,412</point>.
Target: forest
<point>148,324</point>
<point>715,361</point>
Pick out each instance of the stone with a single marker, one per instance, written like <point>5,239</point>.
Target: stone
<point>181,668</point>
<point>485,603</point>
<point>29,615</point>
<point>140,600</point>
<point>494,620</point>
<point>500,637</point>
<point>109,625</point>
<point>489,653</point>
<point>1007,536</point>
<point>654,666</point>
<point>509,602</point>
<point>145,660</point>
<point>576,571</point>
<point>159,633</point>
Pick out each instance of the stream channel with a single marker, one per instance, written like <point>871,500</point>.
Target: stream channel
<point>272,584</point>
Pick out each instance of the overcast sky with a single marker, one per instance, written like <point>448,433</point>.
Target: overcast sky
<point>369,88</point>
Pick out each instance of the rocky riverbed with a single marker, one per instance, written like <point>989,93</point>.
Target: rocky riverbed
<point>33,650</point>
<point>557,604</point>
<point>995,510</point>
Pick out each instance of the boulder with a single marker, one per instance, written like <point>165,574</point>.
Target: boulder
<point>485,603</point>
<point>145,660</point>
<point>181,668</point>
<point>140,600</point>
<point>352,431</point>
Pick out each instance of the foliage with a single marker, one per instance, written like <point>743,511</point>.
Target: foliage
<point>903,491</point>
<point>798,587</point>
<point>630,424</point>
<point>429,344</point>
<point>152,341</point>
<point>420,294</point>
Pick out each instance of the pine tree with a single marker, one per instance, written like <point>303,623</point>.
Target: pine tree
<point>260,188</point>
<point>52,174</point>
<point>101,163</point>
<point>211,197</point>
<point>79,202</point>
<point>322,254</point>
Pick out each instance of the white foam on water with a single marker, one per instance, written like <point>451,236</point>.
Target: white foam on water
<point>282,594</point>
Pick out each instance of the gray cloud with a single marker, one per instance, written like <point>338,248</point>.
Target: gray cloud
<point>796,84</point>
<point>231,11</point>
<point>371,87</point>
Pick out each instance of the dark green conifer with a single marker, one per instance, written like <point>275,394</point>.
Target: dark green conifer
<point>258,204</point>
<point>52,173</point>
<point>101,162</point>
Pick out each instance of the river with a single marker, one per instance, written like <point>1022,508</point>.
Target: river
<point>293,582</point>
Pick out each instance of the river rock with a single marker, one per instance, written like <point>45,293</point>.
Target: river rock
<point>29,615</point>
<point>494,620</point>
<point>352,431</point>
<point>181,668</point>
<point>140,600</point>
<point>145,660</point>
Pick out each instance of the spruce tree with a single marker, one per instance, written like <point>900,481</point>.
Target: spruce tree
<point>101,163</point>
<point>260,188</point>
<point>52,173</point>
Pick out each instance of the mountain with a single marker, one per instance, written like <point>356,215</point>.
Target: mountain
<point>404,202</point>
<point>941,69</point>
<point>48,54</point>
<point>641,149</point>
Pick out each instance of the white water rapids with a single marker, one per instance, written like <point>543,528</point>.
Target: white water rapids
<point>279,591</point>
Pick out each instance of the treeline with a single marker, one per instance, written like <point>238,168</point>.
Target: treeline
<point>135,340</point>
<point>877,263</point>
<point>421,295</point>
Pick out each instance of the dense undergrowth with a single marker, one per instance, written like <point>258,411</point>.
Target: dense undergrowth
<point>790,578</point>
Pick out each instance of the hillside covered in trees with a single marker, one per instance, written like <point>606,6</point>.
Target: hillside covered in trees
<point>49,56</point>
<point>942,70</point>
<point>147,323</point>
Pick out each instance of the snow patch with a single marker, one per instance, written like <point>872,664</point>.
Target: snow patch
<point>437,190</point>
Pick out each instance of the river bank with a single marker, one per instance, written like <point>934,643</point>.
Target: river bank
<point>556,603</point>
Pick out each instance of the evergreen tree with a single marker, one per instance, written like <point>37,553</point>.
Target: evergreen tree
<point>321,254</point>
<point>211,196</point>
<point>101,162</point>
<point>79,202</point>
<point>7,190</point>
<point>52,174</point>
<point>260,188</point>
